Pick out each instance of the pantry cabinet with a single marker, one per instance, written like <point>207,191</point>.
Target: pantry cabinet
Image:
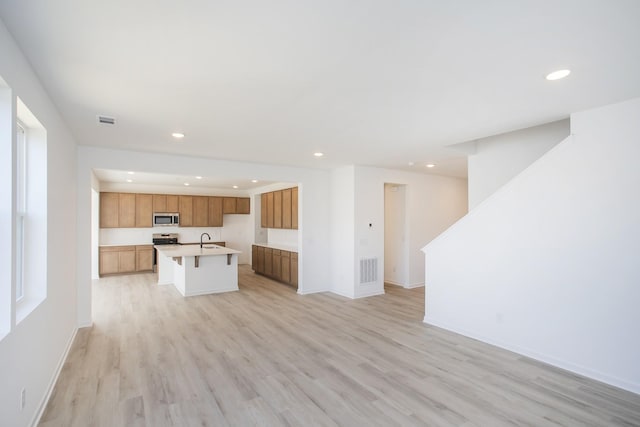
<point>277,264</point>
<point>279,209</point>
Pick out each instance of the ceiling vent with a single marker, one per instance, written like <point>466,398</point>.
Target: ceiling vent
<point>106,120</point>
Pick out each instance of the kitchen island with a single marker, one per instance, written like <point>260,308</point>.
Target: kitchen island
<point>197,271</point>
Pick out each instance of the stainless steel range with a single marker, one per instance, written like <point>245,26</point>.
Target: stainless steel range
<point>162,239</point>
<point>165,238</point>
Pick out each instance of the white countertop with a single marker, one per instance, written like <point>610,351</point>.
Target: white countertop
<point>194,250</point>
<point>288,248</point>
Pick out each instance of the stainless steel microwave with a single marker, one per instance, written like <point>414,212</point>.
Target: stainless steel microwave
<point>165,219</point>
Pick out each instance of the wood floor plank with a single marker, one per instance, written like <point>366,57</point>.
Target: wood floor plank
<point>267,356</point>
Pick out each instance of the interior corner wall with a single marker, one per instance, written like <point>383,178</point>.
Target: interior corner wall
<point>342,231</point>
<point>34,349</point>
<point>550,261</point>
<point>499,158</point>
<point>396,264</point>
<point>433,203</point>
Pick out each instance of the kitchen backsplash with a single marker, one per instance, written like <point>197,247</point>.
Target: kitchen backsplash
<point>142,236</point>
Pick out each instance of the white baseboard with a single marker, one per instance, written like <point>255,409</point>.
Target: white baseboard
<point>411,286</point>
<point>371,293</point>
<point>54,379</point>
<point>550,360</point>
<point>342,294</point>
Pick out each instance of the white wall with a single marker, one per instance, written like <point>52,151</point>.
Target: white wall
<point>396,262</point>
<point>313,195</point>
<point>548,265</point>
<point>32,352</point>
<point>499,158</point>
<point>342,231</point>
<point>432,204</point>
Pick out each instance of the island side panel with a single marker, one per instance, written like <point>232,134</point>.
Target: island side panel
<point>165,269</point>
<point>213,275</point>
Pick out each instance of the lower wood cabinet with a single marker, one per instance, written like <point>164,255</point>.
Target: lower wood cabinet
<point>276,264</point>
<point>125,259</point>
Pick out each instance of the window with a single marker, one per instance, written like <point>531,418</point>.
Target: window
<point>21,206</point>
<point>30,224</point>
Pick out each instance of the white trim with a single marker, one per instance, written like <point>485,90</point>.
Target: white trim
<point>342,294</point>
<point>371,293</point>
<point>562,364</point>
<point>414,285</point>
<point>43,403</point>
<point>317,291</point>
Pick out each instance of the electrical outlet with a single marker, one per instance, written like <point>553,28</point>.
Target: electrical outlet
<point>23,398</point>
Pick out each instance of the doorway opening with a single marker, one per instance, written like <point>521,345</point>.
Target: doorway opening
<point>396,257</point>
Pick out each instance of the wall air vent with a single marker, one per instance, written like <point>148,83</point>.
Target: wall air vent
<point>106,120</point>
<point>368,270</point>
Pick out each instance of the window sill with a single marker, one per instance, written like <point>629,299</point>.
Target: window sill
<point>25,306</point>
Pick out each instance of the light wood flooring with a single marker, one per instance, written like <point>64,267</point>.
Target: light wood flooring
<point>267,356</point>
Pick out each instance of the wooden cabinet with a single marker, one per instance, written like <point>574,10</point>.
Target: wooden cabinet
<point>125,259</point>
<point>126,210</point>
<point>269,210</point>
<point>122,210</point>
<point>144,210</point>
<point>165,203</point>
<point>109,210</point>
<point>108,261</point>
<point>173,203</point>
<point>160,203</point>
<point>294,210</point>
<point>294,269</point>
<point>286,208</point>
<point>285,266</point>
<point>254,257</point>
<point>185,208</point>
<point>144,258</point>
<point>229,205</point>
<point>243,205</point>
<point>260,263</point>
<point>236,205</point>
<point>279,209</point>
<point>200,211</point>
<point>215,211</point>
<point>263,210</point>
<point>268,261</point>
<point>276,264</point>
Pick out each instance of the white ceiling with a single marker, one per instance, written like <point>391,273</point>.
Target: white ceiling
<point>376,83</point>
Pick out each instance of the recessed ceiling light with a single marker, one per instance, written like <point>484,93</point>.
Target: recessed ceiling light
<point>129,180</point>
<point>235,186</point>
<point>198,177</point>
<point>186,183</point>
<point>430,165</point>
<point>557,75</point>
<point>254,180</point>
<point>318,154</point>
<point>177,135</point>
<point>130,173</point>
<point>411,163</point>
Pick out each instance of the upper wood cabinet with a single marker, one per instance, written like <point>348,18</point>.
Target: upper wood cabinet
<point>127,210</point>
<point>215,211</point>
<point>286,208</point>
<point>243,205</point>
<point>122,210</point>
<point>269,210</point>
<point>294,210</point>
<point>279,209</point>
<point>185,208</point>
<point>144,210</point>
<point>200,211</point>
<point>263,210</point>
<point>109,210</point>
<point>236,205</point>
<point>229,205</point>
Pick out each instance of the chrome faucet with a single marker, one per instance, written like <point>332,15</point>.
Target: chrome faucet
<point>201,236</point>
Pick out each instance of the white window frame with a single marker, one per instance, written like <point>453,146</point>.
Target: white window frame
<point>21,206</point>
